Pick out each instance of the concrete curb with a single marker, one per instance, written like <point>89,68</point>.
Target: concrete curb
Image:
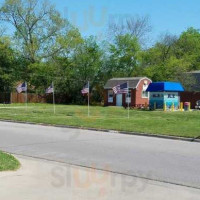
<point>109,131</point>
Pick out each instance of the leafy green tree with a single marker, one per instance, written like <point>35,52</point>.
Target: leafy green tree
<point>124,54</point>
<point>171,57</point>
<point>41,76</point>
<point>87,60</point>
<point>159,62</point>
<point>8,65</point>
<point>56,69</point>
<point>188,48</point>
<point>38,27</point>
<point>75,69</point>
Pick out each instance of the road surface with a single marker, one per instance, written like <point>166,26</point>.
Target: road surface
<point>162,160</point>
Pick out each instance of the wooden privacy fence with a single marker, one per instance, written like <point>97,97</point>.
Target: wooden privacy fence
<point>14,97</point>
<point>32,98</point>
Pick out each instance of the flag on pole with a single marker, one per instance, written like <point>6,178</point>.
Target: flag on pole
<point>22,87</point>
<point>85,89</point>
<point>121,89</point>
<point>50,89</point>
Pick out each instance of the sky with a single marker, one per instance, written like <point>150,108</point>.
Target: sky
<point>92,16</point>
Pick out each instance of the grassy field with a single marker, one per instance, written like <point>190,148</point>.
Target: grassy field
<point>185,124</point>
<point>8,162</point>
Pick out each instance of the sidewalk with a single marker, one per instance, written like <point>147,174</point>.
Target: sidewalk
<point>46,180</point>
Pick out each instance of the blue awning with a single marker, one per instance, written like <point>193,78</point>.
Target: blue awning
<point>165,86</point>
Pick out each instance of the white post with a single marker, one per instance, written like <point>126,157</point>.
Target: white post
<point>54,106</point>
<point>128,101</point>
<point>88,98</point>
<point>26,95</point>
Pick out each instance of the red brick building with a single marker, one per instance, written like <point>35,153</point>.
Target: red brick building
<point>137,96</point>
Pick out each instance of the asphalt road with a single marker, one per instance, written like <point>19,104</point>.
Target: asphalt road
<point>176,162</point>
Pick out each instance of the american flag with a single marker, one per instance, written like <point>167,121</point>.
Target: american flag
<point>85,89</point>
<point>22,87</point>
<point>50,89</point>
<point>121,89</point>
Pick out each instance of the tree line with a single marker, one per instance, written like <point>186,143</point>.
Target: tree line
<point>37,45</point>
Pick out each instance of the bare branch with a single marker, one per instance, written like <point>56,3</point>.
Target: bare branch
<point>137,26</point>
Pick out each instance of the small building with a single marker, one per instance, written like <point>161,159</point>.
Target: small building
<point>137,96</point>
<point>192,94</point>
<point>193,80</point>
<point>164,93</point>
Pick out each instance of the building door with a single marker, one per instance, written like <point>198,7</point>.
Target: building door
<point>119,100</point>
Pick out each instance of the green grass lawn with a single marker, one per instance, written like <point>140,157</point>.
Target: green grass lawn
<point>185,124</point>
<point>8,162</point>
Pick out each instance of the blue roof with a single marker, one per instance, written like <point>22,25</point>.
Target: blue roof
<point>165,86</point>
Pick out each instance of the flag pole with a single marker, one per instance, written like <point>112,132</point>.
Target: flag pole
<point>88,98</point>
<point>54,106</point>
<point>128,101</point>
<point>26,95</point>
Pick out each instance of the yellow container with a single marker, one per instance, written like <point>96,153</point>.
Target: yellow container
<point>165,107</point>
<point>181,107</point>
<point>173,107</point>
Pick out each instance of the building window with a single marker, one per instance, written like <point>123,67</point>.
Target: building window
<point>128,97</point>
<point>171,96</point>
<point>144,93</point>
<point>156,96</point>
<point>110,96</point>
